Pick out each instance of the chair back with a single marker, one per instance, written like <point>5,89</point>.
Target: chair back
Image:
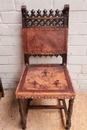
<point>45,33</point>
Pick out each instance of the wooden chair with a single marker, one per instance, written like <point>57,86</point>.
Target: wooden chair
<point>1,89</point>
<point>45,33</point>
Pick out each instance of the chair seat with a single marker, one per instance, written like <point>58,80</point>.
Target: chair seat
<point>45,81</point>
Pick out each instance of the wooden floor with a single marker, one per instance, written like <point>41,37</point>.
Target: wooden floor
<point>41,119</point>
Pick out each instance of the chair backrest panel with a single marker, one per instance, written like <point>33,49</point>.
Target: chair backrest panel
<point>45,41</point>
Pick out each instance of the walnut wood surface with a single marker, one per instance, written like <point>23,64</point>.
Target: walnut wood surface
<point>45,79</point>
<point>45,40</point>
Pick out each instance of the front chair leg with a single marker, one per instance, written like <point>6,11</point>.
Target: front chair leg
<point>22,113</point>
<point>69,114</point>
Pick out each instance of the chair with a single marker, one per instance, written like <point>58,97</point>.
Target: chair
<point>1,89</point>
<point>45,33</point>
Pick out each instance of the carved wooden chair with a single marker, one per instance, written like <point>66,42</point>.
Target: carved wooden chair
<point>1,89</point>
<point>45,33</point>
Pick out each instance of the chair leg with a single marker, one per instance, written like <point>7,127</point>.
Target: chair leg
<point>61,111</point>
<point>27,107</point>
<point>22,113</point>
<point>69,114</point>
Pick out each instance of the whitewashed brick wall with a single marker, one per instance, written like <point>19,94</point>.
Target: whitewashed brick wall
<point>11,49</point>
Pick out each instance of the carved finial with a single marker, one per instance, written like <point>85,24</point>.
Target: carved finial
<point>66,9</point>
<point>57,12</point>
<point>39,12</point>
<point>23,8</point>
<point>32,12</point>
<point>51,12</point>
<point>45,12</point>
<point>66,6</point>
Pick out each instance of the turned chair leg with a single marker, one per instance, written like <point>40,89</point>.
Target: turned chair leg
<point>22,113</point>
<point>69,114</point>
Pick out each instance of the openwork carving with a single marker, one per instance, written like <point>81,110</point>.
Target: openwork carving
<point>57,18</point>
<point>43,19</point>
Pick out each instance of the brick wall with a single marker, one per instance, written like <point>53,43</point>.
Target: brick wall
<point>11,49</point>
